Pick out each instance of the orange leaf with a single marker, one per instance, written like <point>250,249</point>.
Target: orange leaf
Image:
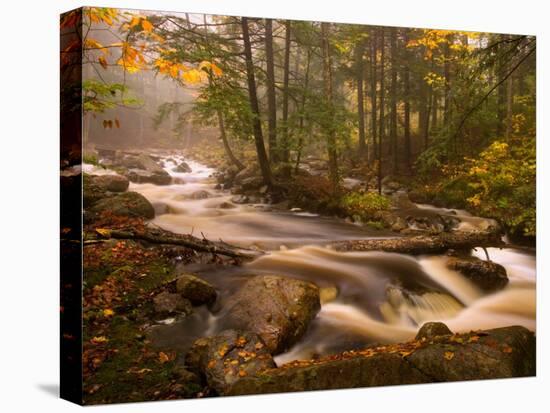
<point>449,355</point>
<point>147,26</point>
<point>163,357</point>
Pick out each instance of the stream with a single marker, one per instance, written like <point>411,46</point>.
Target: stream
<point>367,297</point>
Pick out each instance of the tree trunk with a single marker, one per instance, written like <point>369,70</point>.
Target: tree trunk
<point>226,146</point>
<point>424,244</point>
<point>327,82</point>
<point>302,112</point>
<point>254,107</point>
<point>359,67</point>
<point>393,99</point>
<point>447,76</point>
<point>270,87</point>
<point>373,93</point>
<point>381,121</point>
<point>286,70</point>
<point>407,102</point>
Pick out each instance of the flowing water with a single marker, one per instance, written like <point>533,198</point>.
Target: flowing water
<point>376,297</point>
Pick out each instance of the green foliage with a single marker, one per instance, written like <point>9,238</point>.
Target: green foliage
<point>365,205</point>
<point>503,180</point>
<point>91,159</point>
<point>100,96</point>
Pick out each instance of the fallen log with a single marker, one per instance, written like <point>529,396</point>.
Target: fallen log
<point>188,241</point>
<point>424,244</point>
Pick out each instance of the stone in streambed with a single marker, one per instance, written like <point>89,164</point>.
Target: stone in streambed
<point>183,168</point>
<point>167,303</point>
<point>487,275</point>
<point>195,289</point>
<point>278,309</point>
<point>128,204</point>
<point>111,183</point>
<point>226,358</point>
<point>433,329</point>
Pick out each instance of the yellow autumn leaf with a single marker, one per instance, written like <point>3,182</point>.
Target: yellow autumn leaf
<point>134,22</point>
<point>104,232</point>
<point>191,76</point>
<point>103,62</point>
<point>99,340</point>
<point>108,312</point>
<point>449,355</point>
<point>146,25</point>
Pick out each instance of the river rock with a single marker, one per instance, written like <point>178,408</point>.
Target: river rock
<point>183,167</point>
<point>278,309</point>
<point>167,303</point>
<point>491,354</point>
<point>128,204</point>
<point>200,194</point>
<point>112,183</point>
<point>433,329</point>
<point>195,289</point>
<point>487,275</point>
<point>227,205</point>
<point>140,176</point>
<point>161,208</point>
<point>224,359</point>
<point>91,192</point>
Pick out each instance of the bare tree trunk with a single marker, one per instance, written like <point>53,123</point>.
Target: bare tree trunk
<point>257,126</point>
<point>407,102</point>
<point>302,112</point>
<point>226,146</point>
<point>373,93</point>
<point>270,86</point>
<point>447,76</point>
<point>359,50</point>
<point>327,81</point>
<point>381,122</point>
<point>393,99</point>
<point>286,70</point>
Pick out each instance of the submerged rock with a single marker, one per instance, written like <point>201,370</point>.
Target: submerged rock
<point>278,309</point>
<point>487,275</point>
<point>128,204</point>
<point>195,289</point>
<point>200,194</point>
<point>491,354</point>
<point>224,359</point>
<point>167,303</point>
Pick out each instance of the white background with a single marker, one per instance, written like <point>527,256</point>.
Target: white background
<point>29,205</point>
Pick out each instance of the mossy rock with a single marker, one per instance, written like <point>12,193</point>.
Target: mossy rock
<point>128,204</point>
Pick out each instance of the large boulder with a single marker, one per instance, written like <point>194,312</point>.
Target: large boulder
<point>111,183</point>
<point>128,204</point>
<point>491,354</point>
<point>487,275</point>
<point>195,289</point>
<point>91,192</point>
<point>224,359</point>
<point>278,309</point>
<point>141,176</point>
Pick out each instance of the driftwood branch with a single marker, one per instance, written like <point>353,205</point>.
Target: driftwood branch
<point>424,244</point>
<point>166,237</point>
